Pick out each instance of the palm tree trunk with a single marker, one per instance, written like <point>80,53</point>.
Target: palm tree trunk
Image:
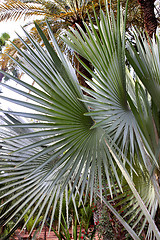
<point>79,66</point>
<point>150,20</point>
<point>45,231</point>
<point>82,70</point>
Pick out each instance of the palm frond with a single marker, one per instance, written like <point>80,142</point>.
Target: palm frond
<point>110,106</point>
<point>130,209</point>
<point>14,10</point>
<point>147,55</point>
<point>67,153</point>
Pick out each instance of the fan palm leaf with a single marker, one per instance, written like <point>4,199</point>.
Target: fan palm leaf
<point>63,157</point>
<point>111,109</point>
<point>149,56</point>
<point>130,208</point>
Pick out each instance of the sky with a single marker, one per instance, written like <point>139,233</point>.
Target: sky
<point>11,27</point>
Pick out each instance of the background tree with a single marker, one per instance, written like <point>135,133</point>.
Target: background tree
<point>61,15</point>
<point>3,39</point>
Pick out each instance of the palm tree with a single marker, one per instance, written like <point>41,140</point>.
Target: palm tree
<point>61,15</point>
<point>106,144</point>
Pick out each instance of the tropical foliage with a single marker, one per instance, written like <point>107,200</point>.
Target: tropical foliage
<point>4,37</point>
<point>60,14</point>
<point>104,144</point>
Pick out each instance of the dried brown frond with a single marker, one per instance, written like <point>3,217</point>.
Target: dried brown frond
<point>14,10</point>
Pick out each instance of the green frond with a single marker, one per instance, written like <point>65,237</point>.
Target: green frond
<point>64,155</point>
<point>130,209</point>
<point>104,46</point>
<point>146,63</point>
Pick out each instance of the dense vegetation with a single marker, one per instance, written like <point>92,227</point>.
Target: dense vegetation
<point>103,146</point>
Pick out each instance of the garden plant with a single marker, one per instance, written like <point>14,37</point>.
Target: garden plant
<point>104,146</point>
